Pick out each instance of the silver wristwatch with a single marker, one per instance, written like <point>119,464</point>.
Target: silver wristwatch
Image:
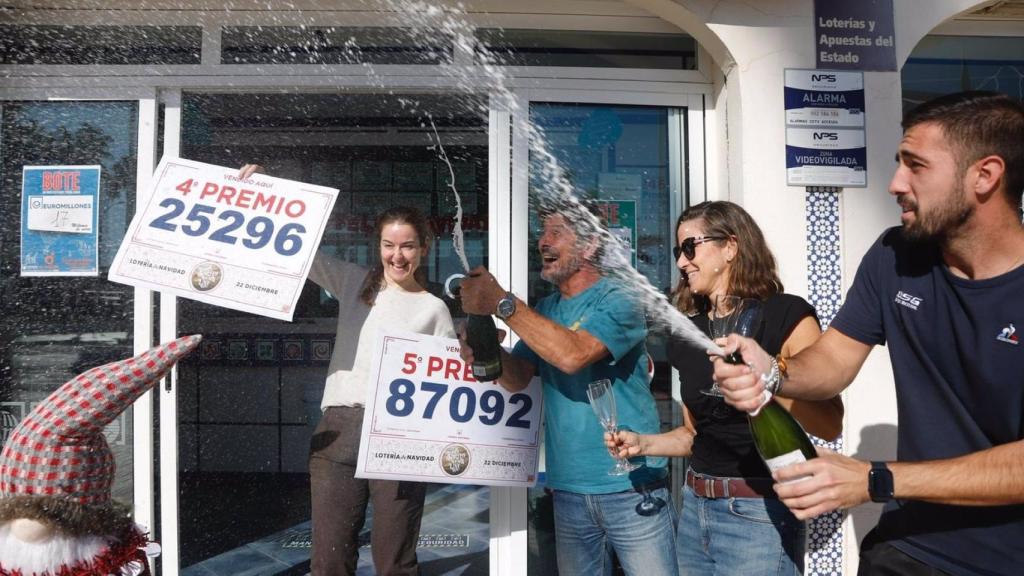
<point>506,306</point>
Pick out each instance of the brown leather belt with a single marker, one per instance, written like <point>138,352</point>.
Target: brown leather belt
<point>715,487</point>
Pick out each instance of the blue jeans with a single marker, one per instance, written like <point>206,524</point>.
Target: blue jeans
<point>588,527</point>
<point>738,536</point>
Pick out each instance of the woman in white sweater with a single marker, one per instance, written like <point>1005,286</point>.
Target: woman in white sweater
<point>389,295</point>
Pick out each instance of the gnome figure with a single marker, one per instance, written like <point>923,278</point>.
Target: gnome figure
<point>56,514</point>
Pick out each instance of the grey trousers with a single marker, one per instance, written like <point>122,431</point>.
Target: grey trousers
<point>339,502</point>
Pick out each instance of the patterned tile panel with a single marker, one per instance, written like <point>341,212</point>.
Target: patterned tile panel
<point>824,281</point>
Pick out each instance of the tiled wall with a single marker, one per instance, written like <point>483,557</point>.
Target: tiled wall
<point>824,282</point>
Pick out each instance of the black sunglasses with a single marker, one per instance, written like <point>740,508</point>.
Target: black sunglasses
<point>688,247</point>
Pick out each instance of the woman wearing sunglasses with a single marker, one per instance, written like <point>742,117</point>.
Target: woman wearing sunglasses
<point>731,522</point>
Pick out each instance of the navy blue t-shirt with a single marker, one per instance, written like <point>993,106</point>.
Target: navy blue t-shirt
<point>959,371</point>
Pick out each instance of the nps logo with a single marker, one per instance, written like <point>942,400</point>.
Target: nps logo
<point>1009,335</point>
<point>904,299</point>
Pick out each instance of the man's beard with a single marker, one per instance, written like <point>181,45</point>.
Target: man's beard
<point>49,556</point>
<point>942,221</point>
<point>564,268</point>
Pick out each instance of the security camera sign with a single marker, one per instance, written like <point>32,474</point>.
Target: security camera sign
<point>427,419</point>
<point>826,157</point>
<point>202,233</point>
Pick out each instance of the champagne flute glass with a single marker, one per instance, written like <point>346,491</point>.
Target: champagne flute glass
<point>733,315</point>
<point>602,400</point>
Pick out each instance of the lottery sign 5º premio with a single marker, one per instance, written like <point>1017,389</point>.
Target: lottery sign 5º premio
<point>428,419</point>
<point>202,233</point>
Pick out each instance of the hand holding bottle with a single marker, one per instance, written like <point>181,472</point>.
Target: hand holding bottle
<point>481,345</point>
<point>829,482</point>
<point>779,438</point>
<point>741,384</point>
<point>479,292</point>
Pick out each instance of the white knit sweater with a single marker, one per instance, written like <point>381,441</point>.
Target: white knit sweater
<point>358,325</point>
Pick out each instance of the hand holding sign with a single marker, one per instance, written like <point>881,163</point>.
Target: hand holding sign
<point>247,170</point>
<point>229,238</point>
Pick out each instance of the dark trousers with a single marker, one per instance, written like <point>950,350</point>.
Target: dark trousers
<point>880,558</point>
<point>339,502</point>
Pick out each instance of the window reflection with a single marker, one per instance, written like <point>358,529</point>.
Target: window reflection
<point>576,48</point>
<point>945,64</point>
<point>617,156</point>
<point>250,400</point>
<point>53,328</point>
<point>106,44</point>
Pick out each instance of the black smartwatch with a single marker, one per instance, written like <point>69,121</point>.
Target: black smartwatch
<point>880,485</point>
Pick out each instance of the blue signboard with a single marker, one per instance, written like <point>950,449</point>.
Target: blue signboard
<point>60,220</point>
<point>826,157</point>
<point>855,35</point>
<point>824,98</point>
<point>825,143</point>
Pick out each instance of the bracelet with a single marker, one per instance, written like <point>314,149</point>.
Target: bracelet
<point>772,380</point>
<point>783,366</point>
<point>783,372</point>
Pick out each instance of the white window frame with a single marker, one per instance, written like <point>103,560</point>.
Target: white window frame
<point>142,409</point>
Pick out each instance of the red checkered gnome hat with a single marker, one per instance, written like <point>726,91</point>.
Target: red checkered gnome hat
<point>56,466</point>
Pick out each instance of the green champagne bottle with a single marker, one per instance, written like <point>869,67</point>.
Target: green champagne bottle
<point>779,438</point>
<point>482,337</point>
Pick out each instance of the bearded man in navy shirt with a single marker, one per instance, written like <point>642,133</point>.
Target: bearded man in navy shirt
<point>945,293</point>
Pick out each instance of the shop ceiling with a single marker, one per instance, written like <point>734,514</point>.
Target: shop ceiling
<point>1000,10</point>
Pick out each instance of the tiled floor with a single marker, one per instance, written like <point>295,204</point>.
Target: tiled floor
<point>224,526</point>
<point>453,540</point>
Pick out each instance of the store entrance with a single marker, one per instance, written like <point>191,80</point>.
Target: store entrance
<point>249,401</point>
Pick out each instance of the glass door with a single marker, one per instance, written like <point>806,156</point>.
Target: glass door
<point>628,155</point>
<point>59,316</point>
<point>248,403</point>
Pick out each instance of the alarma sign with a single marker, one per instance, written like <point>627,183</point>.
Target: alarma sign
<point>427,419</point>
<point>207,235</point>
<point>824,98</point>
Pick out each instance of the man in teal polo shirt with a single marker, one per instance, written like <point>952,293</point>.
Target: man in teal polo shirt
<point>589,330</point>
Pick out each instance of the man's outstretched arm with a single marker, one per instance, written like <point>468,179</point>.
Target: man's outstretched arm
<point>818,372</point>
